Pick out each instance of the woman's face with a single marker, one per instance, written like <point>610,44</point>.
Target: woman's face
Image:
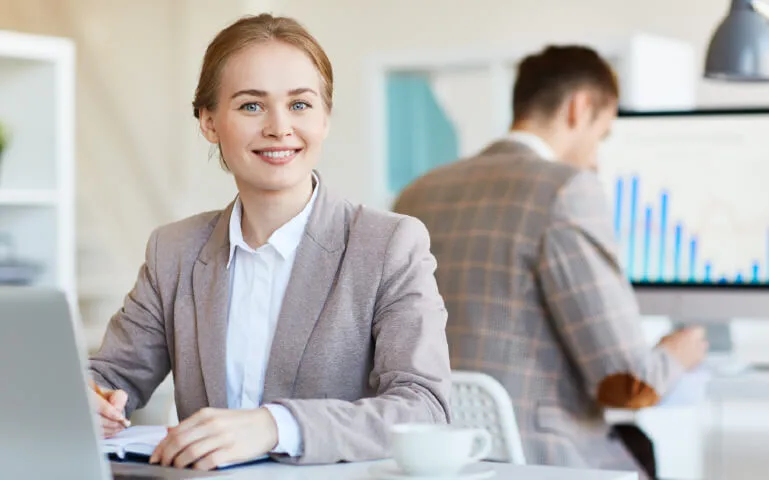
<point>270,121</point>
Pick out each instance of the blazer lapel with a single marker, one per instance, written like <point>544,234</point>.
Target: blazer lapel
<point>210,283</point>
<point>312,277</point>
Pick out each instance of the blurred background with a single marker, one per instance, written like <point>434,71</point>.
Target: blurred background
<point>104,148</point>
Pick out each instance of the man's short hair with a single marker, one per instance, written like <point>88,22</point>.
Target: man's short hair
<point>547,78</point>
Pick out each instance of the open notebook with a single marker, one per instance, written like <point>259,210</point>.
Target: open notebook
<point>138,440</point>
<point>138,443</point>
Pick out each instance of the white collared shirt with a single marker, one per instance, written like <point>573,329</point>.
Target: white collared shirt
<point>534,142</point>
<point>258,281</point>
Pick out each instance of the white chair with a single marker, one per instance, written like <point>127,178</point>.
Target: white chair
<point>480,401</point>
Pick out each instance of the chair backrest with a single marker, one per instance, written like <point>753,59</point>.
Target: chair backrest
<point>480,401</point>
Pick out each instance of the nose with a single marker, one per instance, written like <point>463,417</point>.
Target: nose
<point>278,125</point>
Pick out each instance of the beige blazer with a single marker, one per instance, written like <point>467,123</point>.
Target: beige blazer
<point>528,267</point>
<point>360,342</point>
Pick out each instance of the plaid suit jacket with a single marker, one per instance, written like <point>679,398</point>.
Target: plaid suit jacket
<point>527,266</point>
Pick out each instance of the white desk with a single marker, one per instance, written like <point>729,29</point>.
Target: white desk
<point>359,471</point>
<point>750,386</point>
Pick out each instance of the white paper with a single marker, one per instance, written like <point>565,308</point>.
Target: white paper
<point>139,439</point>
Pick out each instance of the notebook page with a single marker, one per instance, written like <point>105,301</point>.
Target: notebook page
<point>139,439</point>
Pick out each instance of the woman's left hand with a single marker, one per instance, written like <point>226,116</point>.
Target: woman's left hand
<point>214,437</point>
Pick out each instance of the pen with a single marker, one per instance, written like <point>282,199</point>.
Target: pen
<point>101,393</point>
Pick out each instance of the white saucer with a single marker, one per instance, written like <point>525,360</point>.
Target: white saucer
<point>390,470</point>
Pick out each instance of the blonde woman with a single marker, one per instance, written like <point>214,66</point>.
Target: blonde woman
<point>295,323</point>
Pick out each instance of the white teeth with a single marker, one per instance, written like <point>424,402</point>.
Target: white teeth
<point>278,153</point>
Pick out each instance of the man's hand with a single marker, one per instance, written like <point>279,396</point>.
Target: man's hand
<point>110,405</point>
<point>688,346</point>
<point>215,437</point>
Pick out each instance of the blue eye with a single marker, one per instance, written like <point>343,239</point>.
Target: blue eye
<point>251,107</point>
<point>300,106</point>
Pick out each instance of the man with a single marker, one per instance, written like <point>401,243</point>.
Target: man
<point>528,267</point>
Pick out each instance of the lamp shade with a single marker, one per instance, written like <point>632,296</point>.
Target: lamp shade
<point>739,49</point>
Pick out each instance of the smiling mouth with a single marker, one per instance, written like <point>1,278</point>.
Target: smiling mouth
<point>277,157</point>
<point>277,154</point>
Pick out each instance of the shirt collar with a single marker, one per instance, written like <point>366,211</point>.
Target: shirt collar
<point>285,239</point>
<point>534,142</point>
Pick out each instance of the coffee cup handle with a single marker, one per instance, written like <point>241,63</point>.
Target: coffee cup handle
<point>485,447</point>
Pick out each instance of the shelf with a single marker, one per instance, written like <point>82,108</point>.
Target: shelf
<point>37,169</point>
<point>29,197</point>
<point>27,48</point>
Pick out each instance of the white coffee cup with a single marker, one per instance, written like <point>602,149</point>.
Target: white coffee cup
<point>428,449</point>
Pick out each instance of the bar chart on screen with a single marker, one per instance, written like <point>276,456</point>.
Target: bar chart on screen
<point>657,246</point>
<point>688,197</point>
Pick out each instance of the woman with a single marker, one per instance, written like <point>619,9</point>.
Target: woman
<point>295,323</point>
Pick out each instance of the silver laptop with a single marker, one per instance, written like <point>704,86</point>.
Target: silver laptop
<point>47,428</point>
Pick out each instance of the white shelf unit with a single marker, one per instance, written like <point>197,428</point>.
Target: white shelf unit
<point>37,169</point>
<point>28,197</point>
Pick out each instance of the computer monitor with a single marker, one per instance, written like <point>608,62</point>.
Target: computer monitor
<point>690,204</point>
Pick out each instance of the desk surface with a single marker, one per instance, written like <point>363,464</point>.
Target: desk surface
<point>359,471</point>
<point>752,385</point>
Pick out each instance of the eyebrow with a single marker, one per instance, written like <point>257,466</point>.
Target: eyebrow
<point>262,93</point>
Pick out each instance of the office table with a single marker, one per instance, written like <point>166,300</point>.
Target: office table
<point>360,471</point>
<point>752,385</point>
<point>749,386</point>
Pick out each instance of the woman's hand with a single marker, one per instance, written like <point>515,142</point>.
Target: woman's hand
<point>110,405</point>
<point>215,437</point>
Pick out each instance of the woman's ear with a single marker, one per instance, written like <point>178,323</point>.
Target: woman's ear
<point>207,126</point>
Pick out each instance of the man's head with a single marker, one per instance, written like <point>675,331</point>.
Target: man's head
<point>567,95</point>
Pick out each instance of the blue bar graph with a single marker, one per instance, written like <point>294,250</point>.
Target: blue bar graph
<point>633,220</point>
<point>659,247</point>
<point>756,272</point>
<point>663,232</point>
<point>647,241</point>
<point>677,252</point>
<point>692,259</point>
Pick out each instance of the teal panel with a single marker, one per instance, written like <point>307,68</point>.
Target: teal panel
<point>420,135</point>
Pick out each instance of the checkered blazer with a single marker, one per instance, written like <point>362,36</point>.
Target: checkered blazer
<point>527,266</point>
